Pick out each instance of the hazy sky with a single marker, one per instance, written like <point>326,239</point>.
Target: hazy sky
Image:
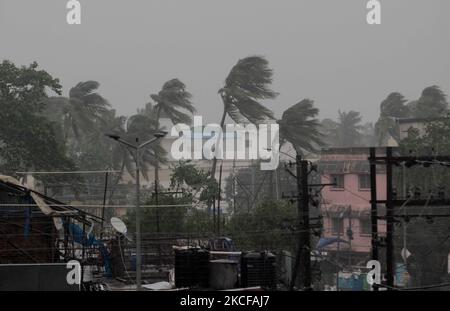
<point>320,49</point>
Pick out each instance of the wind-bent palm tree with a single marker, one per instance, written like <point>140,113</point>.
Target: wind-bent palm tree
<point>300,127</point>
<point>348,131</point>
<point>392,107</point>
<point>173,102</point>
<point>81,111</point>
<point>247,83</point>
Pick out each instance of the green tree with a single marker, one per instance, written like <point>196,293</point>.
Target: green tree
<point>427,237</point>
<point>328,129</point>
<point>78,120</point>
<point>348,132</point>
<point>247,84</point>
<point>249,187</point>
<point>299,126</point>
<point>140,128</point>
<point>392,107</point>
<point>435,141</point>
<point>172,101</point>
<point>431,104</point>
<point>27,139</point>
<point>99,152</point>
<point>80,113</point>
<point>178,211</point>
<point>384,128</point>
<point>172,212</point>
<point>190,179</point>
<point>267,227</point>
<point>102,153</point>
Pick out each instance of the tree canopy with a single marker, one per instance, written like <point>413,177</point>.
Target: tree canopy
<point>299,126</point>
<point>27,138</point>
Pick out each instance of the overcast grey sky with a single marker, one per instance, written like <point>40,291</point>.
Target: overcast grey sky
<point>320,49</point>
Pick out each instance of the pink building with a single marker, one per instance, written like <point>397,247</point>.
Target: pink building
<point>346,206</point>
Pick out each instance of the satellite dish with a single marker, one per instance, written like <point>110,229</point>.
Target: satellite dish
<point>119,225</point>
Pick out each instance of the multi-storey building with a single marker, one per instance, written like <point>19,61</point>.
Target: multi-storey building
<point>346,205</point>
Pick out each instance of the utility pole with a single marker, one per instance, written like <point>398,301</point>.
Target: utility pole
<point>305,262</point>
<point>388,160</point>
<point>214,214</point>
<point>138,222</point>
<point>389,221</point>
<point>338,251</point>
<point>277,186</point>
<point>157,207</point>
<point>303,256</point>
<point>158,230</point>
<point>104,204</point>
<point>253,182</point>
<point>350,235</point>
<point>373,206</point>
<point>391,202</point>
<point>234,185</point>
<point>219,199</point>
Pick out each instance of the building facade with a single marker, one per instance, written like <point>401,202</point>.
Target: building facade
<point>346,205</point>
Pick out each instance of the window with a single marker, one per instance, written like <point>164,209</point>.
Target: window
<point>365,225</point>
<point>364,181</point>
<point>338,179</point>
<point>337,225</point>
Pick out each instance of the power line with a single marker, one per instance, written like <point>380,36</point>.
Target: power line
<point>66,172</point>
<point>93,205</point>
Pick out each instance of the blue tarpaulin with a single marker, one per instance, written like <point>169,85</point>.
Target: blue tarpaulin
<point>324,242</point>
<point>81,237</point>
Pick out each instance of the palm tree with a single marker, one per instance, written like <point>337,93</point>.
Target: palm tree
<point>247,83</point>
<point>172,101</point>
<point>392,107</point>
<point>120,158</point>
<point>300,127</point>
<point>143,128</point>
<point>348,130</point>
<point>81,111</point>
<point>328,128</point>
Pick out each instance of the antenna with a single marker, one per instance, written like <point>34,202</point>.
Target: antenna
<point>119,226</point>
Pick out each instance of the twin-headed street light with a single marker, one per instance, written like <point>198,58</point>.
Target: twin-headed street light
<point>137,147</point>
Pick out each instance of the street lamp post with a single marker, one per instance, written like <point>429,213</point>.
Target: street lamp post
<point>137,148</point>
